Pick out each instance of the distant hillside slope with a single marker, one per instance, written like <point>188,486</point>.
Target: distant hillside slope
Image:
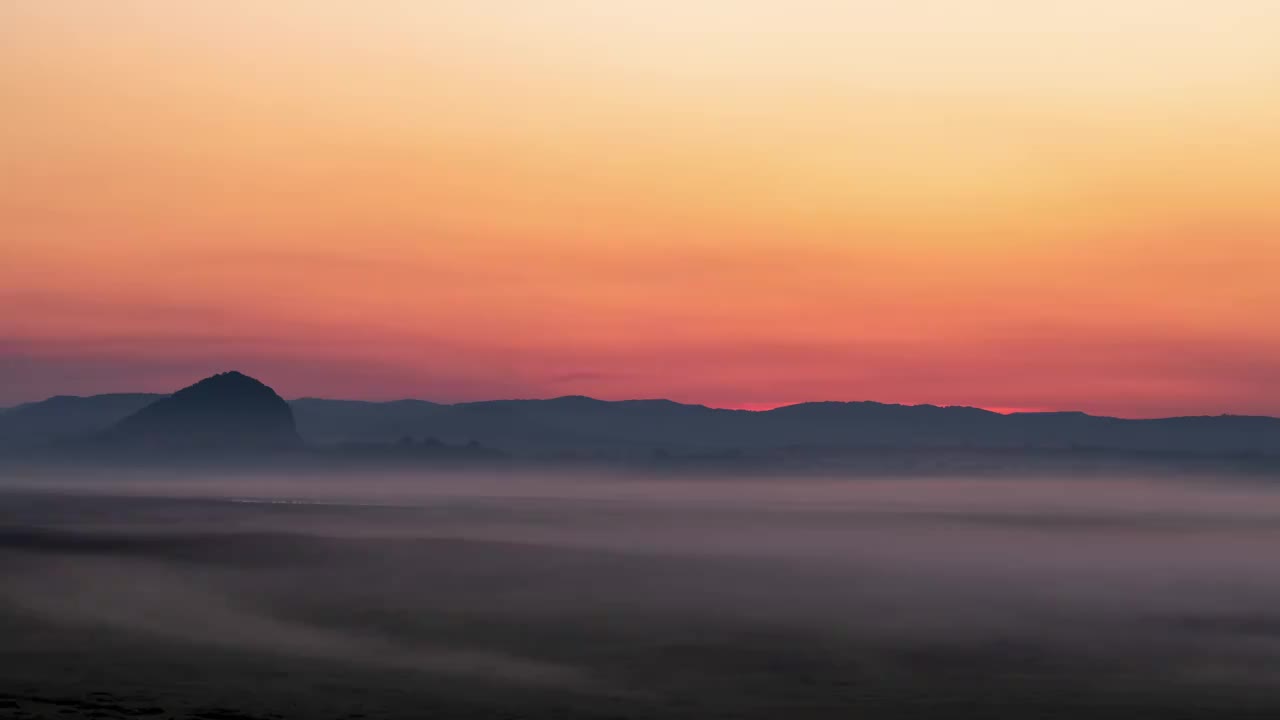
<point>229,410</point>
<point>335,421</point>
<point>65,417</point>
<point>585,425</point>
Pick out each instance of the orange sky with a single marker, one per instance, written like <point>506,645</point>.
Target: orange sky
<point>1002,203</point>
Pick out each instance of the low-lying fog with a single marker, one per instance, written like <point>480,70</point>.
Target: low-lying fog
<point>649,596</point>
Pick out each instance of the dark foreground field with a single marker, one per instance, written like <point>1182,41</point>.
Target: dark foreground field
<point>529,597</point>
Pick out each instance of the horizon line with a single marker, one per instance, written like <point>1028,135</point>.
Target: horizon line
<point>1004,411</point>
<point>768,407</point>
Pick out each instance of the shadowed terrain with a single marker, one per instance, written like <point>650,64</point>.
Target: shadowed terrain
<point>227,412</point>
<point>237,412</point>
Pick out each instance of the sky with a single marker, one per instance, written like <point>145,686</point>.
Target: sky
<point>1011,204</point>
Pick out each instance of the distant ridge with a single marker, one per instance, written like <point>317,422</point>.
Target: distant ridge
<point>67,416</point>
<point>235,410</point>
<point>226,411</point>
<point>578,424</point>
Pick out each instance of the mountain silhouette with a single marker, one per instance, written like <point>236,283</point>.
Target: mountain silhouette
<point>631,427</point>
<point>233,410</point>
<point>67,416</point>
<point>227,411</point>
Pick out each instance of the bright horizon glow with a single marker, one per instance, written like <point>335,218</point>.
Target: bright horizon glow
<point>739,203</point>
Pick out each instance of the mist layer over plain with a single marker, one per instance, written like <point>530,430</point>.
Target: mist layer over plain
<point>595,595</point>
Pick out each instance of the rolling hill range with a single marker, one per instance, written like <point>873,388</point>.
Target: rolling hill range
<point>66,416</point>
<point>589,426</point>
